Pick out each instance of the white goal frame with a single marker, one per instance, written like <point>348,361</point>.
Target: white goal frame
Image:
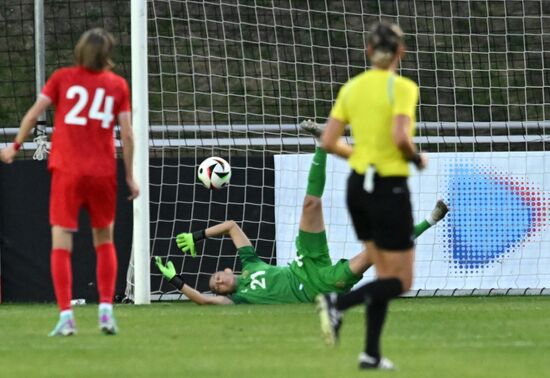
<point>140,119</point>
<point>479,99</point>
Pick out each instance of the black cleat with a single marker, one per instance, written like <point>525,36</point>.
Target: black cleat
<point>367,362</point>
<point>330,317</point>
<point>440,210</point>
<point>312,127</point>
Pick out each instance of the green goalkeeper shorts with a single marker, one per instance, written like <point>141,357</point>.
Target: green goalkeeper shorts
<point>314,268</point>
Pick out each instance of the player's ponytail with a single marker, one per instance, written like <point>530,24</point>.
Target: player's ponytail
<point>94,49</point>
<point>384,41</point>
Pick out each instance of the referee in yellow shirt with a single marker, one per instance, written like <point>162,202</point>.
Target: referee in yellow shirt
<point>380,108</point>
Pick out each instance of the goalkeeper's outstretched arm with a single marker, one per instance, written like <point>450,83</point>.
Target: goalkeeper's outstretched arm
<point>232,229</point>
<point>186,241</point>
<point>169,272</point>
<point>202,299</point>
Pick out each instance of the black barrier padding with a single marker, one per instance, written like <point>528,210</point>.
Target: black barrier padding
<point>25,240</point>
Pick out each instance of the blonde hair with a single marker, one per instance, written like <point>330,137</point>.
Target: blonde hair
<point>93,50</point>
<point>385,39</point>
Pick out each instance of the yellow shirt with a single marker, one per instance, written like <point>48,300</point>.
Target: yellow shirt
<point>368,102</point>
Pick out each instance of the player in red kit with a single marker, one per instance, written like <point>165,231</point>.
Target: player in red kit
<point>88,99</point>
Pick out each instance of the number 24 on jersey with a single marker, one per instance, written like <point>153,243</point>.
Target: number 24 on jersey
<point>75,116</point>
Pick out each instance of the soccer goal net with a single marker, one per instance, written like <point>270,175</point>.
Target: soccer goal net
<point>234,79</point>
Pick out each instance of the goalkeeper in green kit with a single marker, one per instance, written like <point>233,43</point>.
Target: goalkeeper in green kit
<point>311,272</point>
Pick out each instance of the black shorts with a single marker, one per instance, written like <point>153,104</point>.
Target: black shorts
<point>383,216</point>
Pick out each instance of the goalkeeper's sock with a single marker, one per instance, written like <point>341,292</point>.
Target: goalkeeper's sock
<point>317,175</point>
<point>438,213</point>
<point>421,227</point>
<point>106,272</point>
<point>62,276</point>
<point>380,290</point>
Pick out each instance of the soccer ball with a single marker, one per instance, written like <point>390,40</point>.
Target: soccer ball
<point>214,173</point>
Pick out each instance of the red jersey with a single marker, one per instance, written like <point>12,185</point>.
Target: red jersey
<point>87,104</point>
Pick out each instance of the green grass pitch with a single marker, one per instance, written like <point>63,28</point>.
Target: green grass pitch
<point>426,337</point>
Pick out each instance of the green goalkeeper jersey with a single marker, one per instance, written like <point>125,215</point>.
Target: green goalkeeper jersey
<point>261,283</point>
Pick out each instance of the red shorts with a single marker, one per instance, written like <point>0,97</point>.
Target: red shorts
<point>70,193</point>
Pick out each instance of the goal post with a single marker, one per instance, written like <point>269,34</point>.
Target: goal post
<point>234,79</point>
<point>139,264</point>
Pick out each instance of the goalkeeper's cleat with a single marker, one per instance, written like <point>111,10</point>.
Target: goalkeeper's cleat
<point>368,362</point>
<point>66,326</point>
<point>440,210</point>
<point>330,317</point>
<point>107,322</point>
<point>311,127</point>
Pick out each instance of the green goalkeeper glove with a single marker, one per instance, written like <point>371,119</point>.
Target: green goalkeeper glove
<point>186,243</point>
<point>169,272</point>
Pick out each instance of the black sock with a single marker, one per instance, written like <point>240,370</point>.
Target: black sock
<point>379,290</point>
<point>376,295</point>
<point>376,315</point>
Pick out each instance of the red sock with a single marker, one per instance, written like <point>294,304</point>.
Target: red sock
<point>106,272</point>
<point>62,277</point>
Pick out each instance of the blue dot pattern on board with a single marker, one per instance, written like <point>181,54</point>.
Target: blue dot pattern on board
<point>491,215</point>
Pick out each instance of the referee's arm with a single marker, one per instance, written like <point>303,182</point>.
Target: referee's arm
<point>401,135</point>
<point>403,140</point>
<point>331,139</point>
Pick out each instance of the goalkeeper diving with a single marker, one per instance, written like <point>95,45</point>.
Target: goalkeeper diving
<point>311,272</point>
